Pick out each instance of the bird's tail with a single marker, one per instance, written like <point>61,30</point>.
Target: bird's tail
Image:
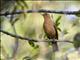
<point>55,46</point>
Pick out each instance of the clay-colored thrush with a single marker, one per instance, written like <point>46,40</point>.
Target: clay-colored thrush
<point>50,30</point>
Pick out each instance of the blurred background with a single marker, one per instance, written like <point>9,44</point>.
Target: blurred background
<point>31,25</point>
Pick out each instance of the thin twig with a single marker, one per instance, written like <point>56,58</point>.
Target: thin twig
<point>30,39</point>
<point>16,43</point>
<point>40,11</point>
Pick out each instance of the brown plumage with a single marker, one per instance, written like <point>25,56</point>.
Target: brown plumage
<point>50,30</point>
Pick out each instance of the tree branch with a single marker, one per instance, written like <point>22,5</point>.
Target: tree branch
<point>40,11</point>
<point>30,39</point>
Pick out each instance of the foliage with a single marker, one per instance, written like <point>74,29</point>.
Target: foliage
<point>31,25</point>
<point>57,23</point>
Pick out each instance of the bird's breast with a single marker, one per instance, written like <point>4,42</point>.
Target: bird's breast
<point>49,29</point>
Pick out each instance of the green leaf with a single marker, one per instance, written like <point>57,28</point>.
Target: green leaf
<point>65,31</point>
<point>25,4</point>
<point>57,20</point>
<point>33,44</point>
<point>57,24</point>
<point>58,28</point>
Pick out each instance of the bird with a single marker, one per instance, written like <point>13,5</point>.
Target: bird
<point>50,30</point>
